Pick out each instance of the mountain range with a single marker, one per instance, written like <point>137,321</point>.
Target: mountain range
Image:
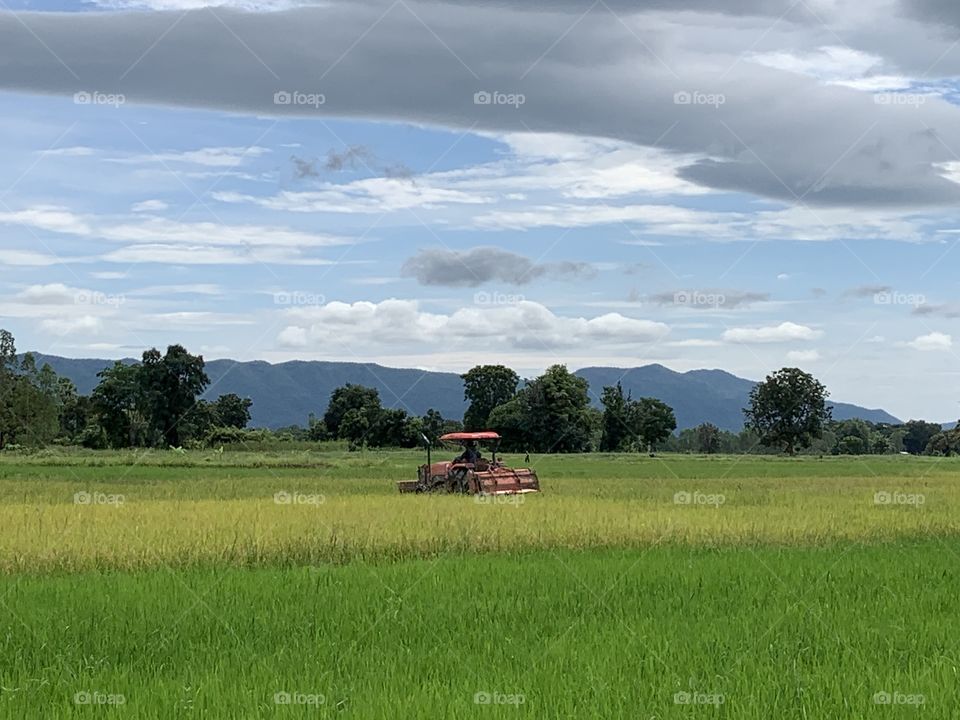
<point>286,393</point>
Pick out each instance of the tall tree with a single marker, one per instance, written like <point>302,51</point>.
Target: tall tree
<point>171,384</point>
<point>557,412</point>
<point>652,421</point>
<point>708,438</point>
<point>617,432</point>
<point>231,410</point>
<point>917,434</point>
<point>485,387</point>
<point>119,406</point>
<point>365,401</point>
<point>788,409</point>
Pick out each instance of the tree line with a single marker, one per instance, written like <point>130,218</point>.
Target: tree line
<point>157,403</point>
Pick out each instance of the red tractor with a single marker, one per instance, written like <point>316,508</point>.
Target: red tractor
<point>470,472</point>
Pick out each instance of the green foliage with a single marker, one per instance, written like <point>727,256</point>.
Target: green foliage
<point>485,387</point>
<point>355,406</point>
<point>917,434</point>
<point>788,409</point>
<point>616,434</point>
<point>629,423</point>
<point>233,411</point>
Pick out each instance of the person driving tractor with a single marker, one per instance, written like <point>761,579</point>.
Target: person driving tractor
<point>470,454</point>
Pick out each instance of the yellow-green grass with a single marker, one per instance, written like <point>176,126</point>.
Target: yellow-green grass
<point>167,509</point>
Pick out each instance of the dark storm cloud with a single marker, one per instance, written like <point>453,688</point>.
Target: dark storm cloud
<point>479,265</point>
<point>775,134</point>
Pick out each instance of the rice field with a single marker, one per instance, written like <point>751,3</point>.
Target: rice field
<point>228,585</point>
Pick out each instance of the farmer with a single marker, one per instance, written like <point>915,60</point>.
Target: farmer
<point>470,453</point>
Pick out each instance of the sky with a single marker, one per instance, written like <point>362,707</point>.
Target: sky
<point>734,184</point>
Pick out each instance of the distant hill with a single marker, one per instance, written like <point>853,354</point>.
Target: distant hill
<point>286,393</point>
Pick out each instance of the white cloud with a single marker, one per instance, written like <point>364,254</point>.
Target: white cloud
<point>803,355</point>
<point>215,157</point>
<point>72,326</point>
<point>149,206</point>
<point>28,258</point>
<point>784,332</point>
<point>76,151</point>
<point>52,294</point>
<point>524,325</point>
<point>292,337</point>
<point>932,342</point>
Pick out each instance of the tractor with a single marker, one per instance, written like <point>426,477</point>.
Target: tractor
<point>470,473</point>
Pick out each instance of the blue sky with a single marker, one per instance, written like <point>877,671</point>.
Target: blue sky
<point>140,213</point>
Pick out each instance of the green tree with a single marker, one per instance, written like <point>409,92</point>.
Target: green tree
<point>616,434</point>
<point>485,387</point>
<point>510,421</point>
<point>652,421</point>
<point>557,412</point>
<point>170,384</point>
<point>708,438</point>
<point>364,400</point>
<point>119,406</point>
<point>433,426</point>
<point>917,434</point>
<point>232,410</point>
<point>788,409</point>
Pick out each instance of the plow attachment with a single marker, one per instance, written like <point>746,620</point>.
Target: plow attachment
<point>504,481</point>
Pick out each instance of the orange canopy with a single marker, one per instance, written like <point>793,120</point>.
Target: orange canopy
<point>460,436</point>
